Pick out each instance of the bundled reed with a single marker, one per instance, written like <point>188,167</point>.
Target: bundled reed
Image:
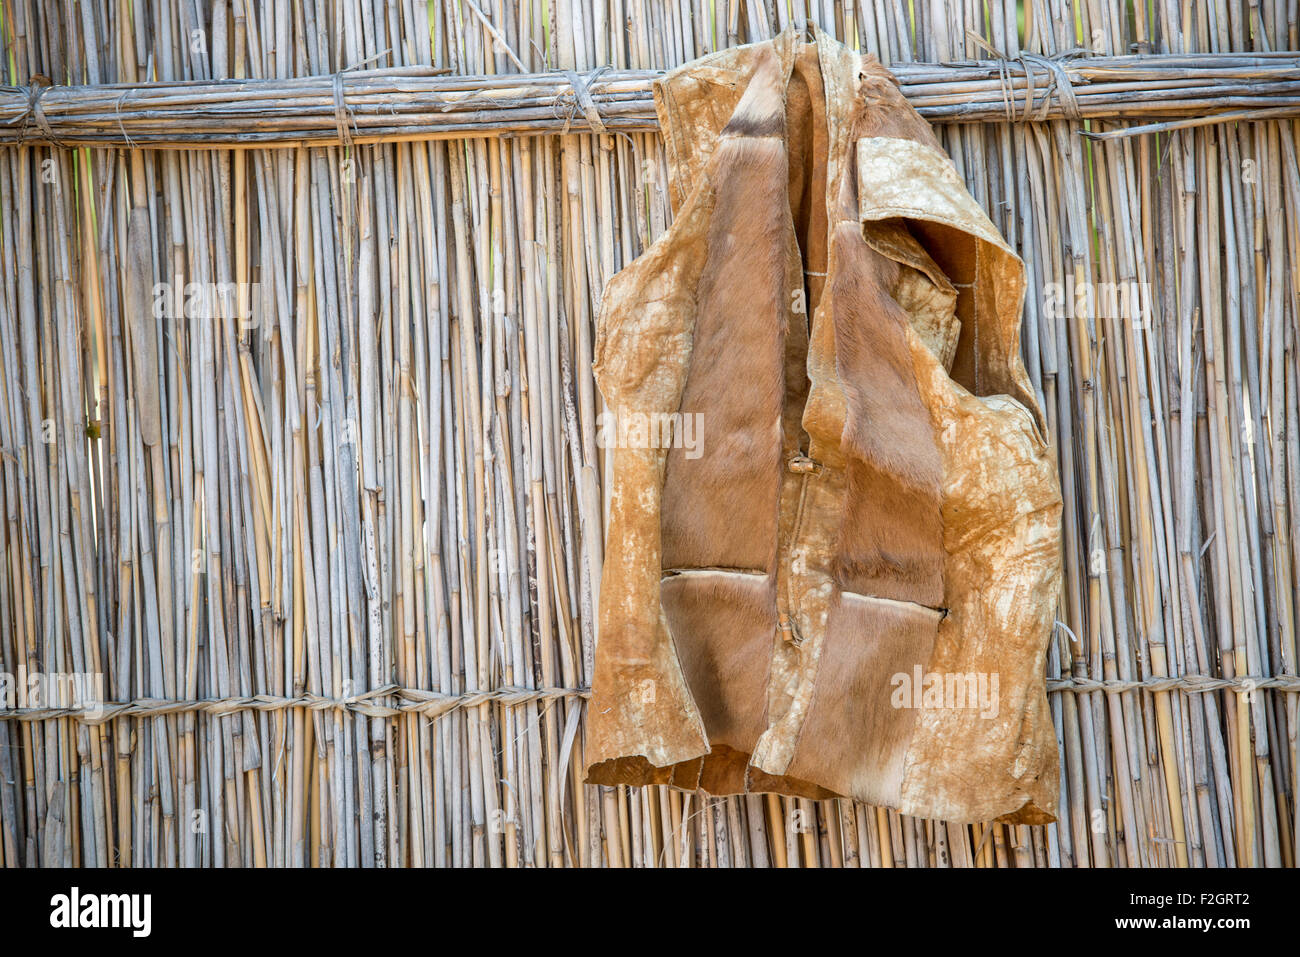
<point>414,103</point>
<point>334,541</point>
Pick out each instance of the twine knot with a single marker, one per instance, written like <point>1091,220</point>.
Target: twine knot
<point>342,116</point>
<point>581,100</point>
<point>1058,80</point>
<point>1058,83</point>
<point>36,88</point>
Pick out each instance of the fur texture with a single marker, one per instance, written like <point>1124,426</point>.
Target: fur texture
<point>854,740</point>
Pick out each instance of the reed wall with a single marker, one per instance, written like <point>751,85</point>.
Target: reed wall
<point>333,545</point>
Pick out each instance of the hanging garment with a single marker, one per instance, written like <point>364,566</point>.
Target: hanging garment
<point>845,584</point>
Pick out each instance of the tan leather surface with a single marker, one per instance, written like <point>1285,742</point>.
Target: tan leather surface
<point>872,505</point>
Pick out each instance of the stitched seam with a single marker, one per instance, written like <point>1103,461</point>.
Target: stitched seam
<point>899,602</point>
<point>712,570</point>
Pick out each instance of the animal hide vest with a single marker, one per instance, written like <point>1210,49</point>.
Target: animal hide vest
<point>846,586</point>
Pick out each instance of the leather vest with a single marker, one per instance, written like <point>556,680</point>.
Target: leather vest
<point>845,585</point>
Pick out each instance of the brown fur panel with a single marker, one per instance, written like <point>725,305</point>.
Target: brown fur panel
<point>882,110</point>
<point>760,782</point>
<point>885,111</point>
<point>891,535</point>
<point>735,385</point>
<point>686,775</point>
<point>722,625</point>
<point>807,141</point>
<point>806,249</point>
<point>722,771</point>
<point>633,770</point>
<point>884,548</point>
<point>854,740</point>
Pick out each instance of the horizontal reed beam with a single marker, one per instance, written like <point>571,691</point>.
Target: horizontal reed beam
<point>421,103</point>
<point>432,704</point>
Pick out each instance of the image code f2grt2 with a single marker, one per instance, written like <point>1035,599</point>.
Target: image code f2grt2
<point>1202,911</point>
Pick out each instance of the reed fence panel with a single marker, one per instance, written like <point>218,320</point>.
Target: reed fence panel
<point>298,442</point>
